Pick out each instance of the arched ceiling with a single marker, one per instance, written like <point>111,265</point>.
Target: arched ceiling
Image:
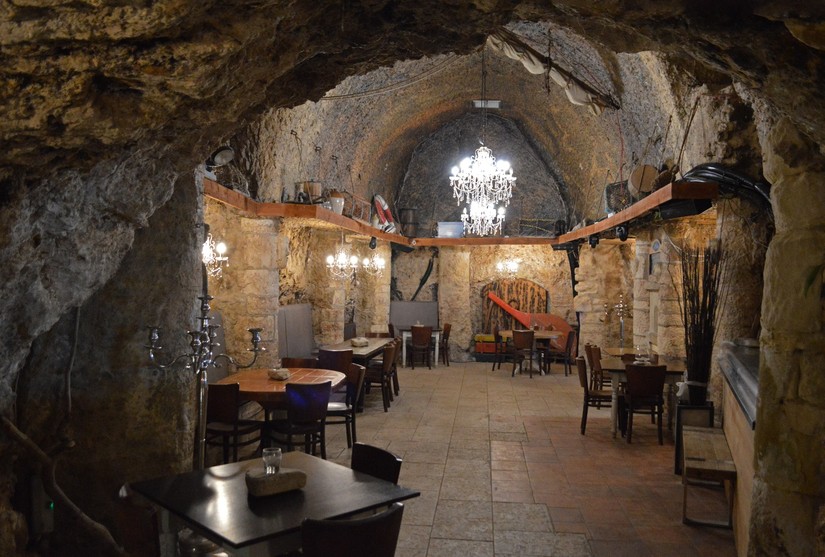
<point>83,81</point>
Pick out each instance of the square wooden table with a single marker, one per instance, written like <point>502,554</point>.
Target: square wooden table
<point>362,354</point>
<point>214,502</point>
<point>616,367</point>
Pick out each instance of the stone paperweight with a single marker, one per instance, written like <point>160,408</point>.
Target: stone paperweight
<point>260,484</point>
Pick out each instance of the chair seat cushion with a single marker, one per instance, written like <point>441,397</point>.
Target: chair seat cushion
<point>337,407</point>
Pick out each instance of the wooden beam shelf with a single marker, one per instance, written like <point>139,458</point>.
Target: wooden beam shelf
<point>671,192</point>
<point>317,215</point>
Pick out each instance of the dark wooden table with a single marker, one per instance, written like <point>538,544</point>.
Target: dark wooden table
<point>362,354</point>
<point>214,502</point>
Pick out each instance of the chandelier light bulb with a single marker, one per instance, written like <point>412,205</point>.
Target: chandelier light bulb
<point>213,257</point>
<point>220,248</point>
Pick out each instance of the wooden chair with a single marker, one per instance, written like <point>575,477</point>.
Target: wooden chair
<point>224,428</point>
<point>375,535</point>
<point>299,362</point>
<point>338,360</point>
<point>523,349</point>
<point>503,349</point>
<point>596,399</point>
<point>421,344</point>
<point>565,355</point>
<point>382,376</point>
<point>378,335</point>
<point>346,410</point>
<point>306,415</point>
<point>598,379</point>
<point>643,395</point>
<point>376,462</point>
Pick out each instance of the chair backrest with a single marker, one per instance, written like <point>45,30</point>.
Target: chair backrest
<point>628,358</point>
<point>355,382</point>
<point>307,403</point>
<point>570,346</point>
<point>376,535</point>
<point>523,339</point>
<point>445,332</point>
<point>581,366</point>
<point>349,331</point>
<point>222,403</point>
<point>339,360</point>
<point>645,381</point>
<point>421,335</point>
<point>391,329</point>
<point>596,364</point>
<point>389,359</point>
<point>375,461</point>
<point>299,362</point>
<point>378,335</point>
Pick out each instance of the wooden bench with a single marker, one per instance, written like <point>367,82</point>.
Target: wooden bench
<point>707,458</point>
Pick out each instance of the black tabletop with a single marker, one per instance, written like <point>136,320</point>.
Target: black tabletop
<point>216,501</point>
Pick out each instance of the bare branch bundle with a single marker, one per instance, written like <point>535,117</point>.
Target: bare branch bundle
<point>701,303</point>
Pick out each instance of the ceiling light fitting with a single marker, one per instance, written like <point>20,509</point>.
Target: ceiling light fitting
<point>481,181</point>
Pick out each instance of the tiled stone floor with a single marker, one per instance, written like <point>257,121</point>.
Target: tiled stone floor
<point>503,470</point>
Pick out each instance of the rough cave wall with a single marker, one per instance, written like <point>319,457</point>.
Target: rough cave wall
<point>408,269</point>
<point>789,488</point>
<point>455,304</point>
<point>371,293</point>
<point>129,421</point>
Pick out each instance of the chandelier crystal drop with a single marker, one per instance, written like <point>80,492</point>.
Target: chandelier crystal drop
<point>483,219</point>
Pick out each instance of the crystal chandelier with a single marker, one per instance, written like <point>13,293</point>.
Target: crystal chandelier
<point>483,182</point>
<point>374,265</point>
<point>482,178</point>
<point>213,257</point>
<point>483,219</point>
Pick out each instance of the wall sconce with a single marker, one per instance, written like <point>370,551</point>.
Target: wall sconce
<point>214,257</point>
<point>374,265</point>
<point>341,264</point>
<point>508,268</point>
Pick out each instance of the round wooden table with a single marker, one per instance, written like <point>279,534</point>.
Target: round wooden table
<point>256,385</point>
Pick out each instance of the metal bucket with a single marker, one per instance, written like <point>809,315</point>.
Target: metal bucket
<point>409,222</point>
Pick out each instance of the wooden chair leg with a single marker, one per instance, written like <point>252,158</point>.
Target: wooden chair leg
<point>584,416</point>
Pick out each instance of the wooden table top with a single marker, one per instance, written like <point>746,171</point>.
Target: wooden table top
<point>216,501</point>
<point>256,385</point>
<point>540,334</point>
<point>674,365</point>
<point>374,346</point>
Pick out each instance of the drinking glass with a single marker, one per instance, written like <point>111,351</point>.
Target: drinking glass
<point>272,460</point>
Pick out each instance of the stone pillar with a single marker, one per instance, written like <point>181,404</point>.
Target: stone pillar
<point>454,305</point>
<point>789,487</point>
<point>247,294</point>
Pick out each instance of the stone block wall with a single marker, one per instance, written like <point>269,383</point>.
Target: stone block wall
<point>605,272</point>
<point>247,293</point>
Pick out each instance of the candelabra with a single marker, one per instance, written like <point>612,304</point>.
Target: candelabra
<point>622,309</point>
<point>201,357</point>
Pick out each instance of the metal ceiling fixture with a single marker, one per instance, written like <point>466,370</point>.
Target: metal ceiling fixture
<point>482,181</point>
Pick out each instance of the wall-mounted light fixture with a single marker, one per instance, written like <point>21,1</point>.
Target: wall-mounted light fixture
<point>214,257</point>
<point>621,232</point>
<point>593,240</point>
<point>508,268</point>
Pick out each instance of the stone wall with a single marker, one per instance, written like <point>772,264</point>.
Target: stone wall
<point>247,293</point>
<point>605,272</point>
